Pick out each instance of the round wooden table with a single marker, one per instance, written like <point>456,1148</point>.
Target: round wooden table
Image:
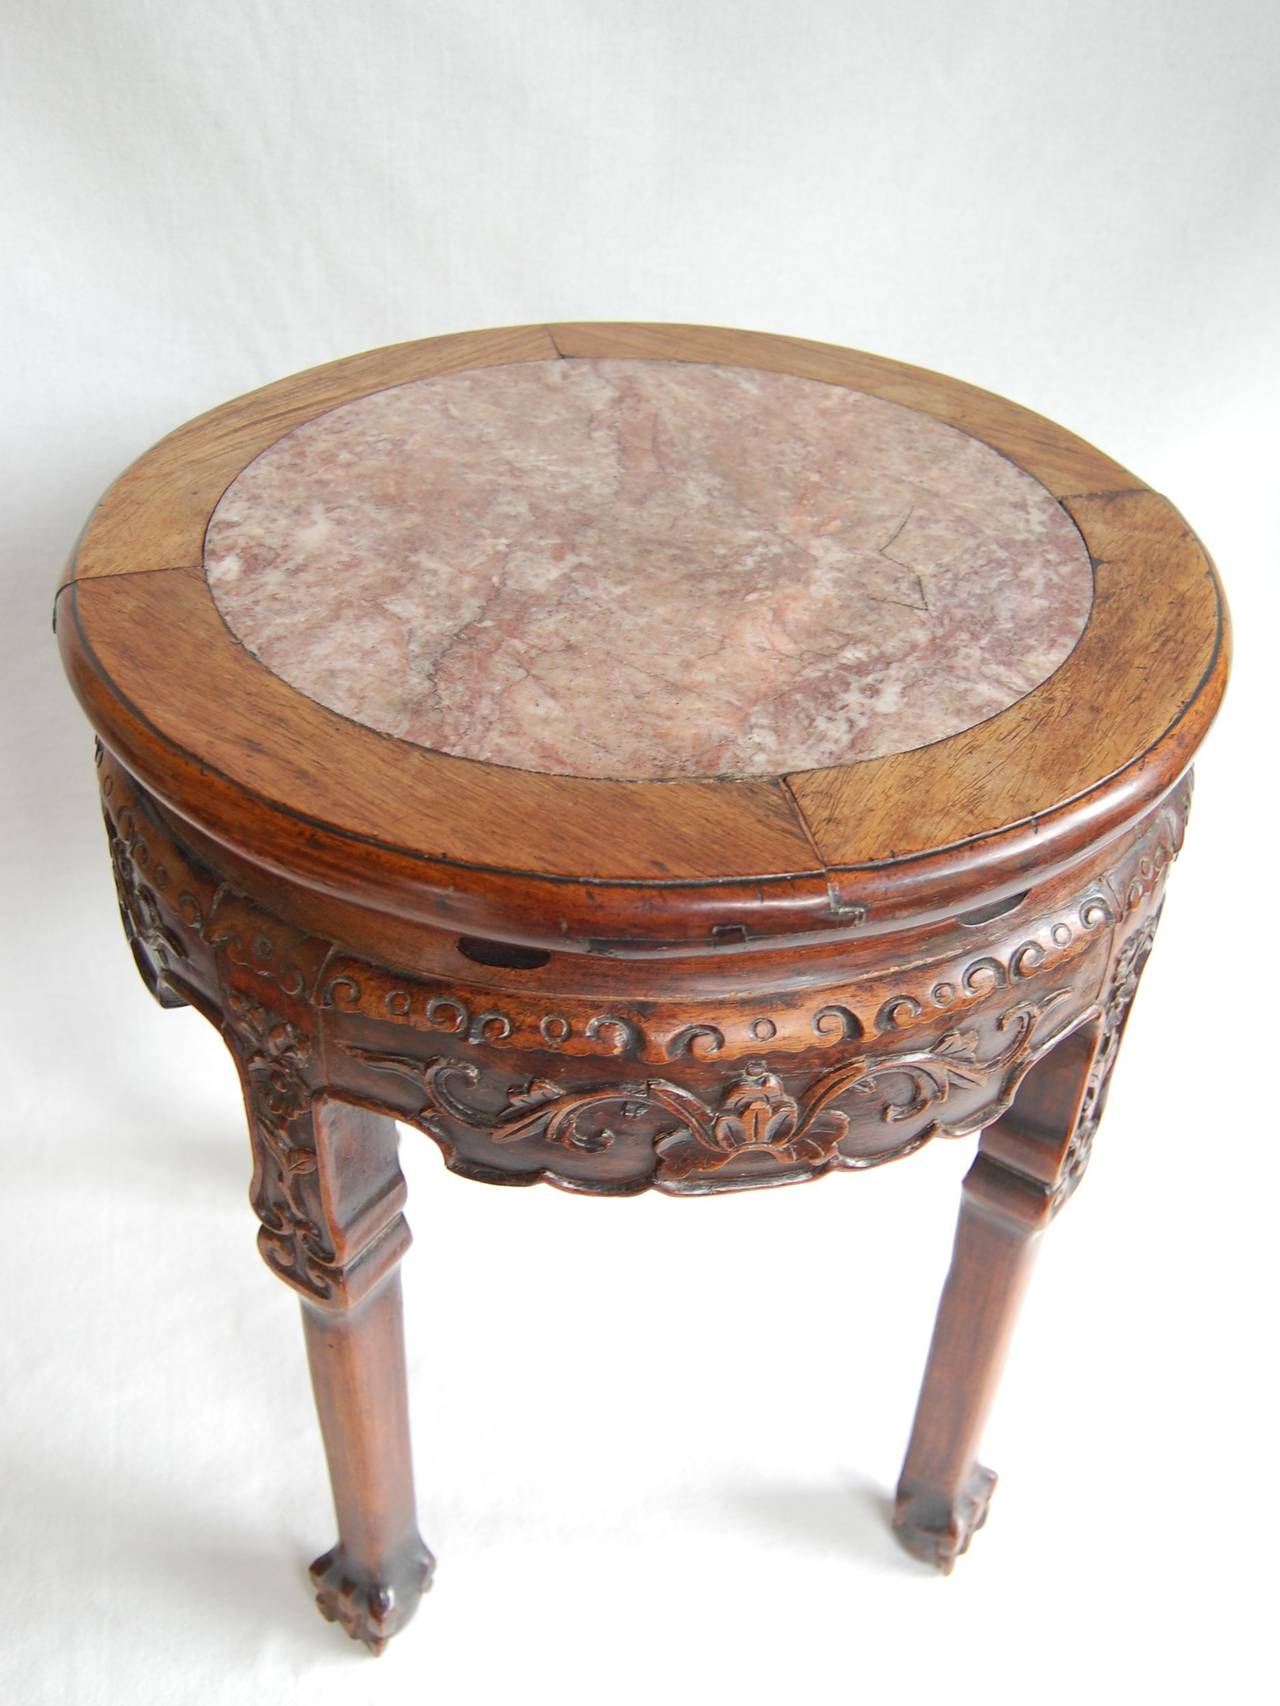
<point>639,756</point>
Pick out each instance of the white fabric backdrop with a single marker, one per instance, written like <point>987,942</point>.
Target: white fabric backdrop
<point>654,1439</point>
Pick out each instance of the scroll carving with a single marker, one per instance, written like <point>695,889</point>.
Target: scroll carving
<point>259,953</point>
<point>164,923</point>
<point>157,947</point>
<point>737,1090</point>
<point>1125,976</point>
<point>753,1117</point>
<point>831,1016</point>
<point>275,1057</point>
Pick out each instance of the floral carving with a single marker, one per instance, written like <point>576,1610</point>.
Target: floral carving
<point>953,1061</point>
<point>770,1119</point>
<point>259,954</point>
<point>274,1057</point>
<point>755,1115</point>
<point>158,950</point>
<point>1125,976</point>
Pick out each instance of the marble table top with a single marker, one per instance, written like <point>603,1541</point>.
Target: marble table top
<point>647,569</point>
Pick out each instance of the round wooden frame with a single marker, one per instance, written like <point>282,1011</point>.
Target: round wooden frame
<point>640,867</point>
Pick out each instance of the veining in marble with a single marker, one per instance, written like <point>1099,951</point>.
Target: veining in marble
<point>647,569</point>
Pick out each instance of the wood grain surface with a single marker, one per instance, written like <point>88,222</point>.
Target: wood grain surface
<point>155,514</point>
<point>639,866</point>
<point>715,984</point>
<point>1058,459</point>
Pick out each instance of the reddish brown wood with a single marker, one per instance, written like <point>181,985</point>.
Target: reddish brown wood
<point>1028,1163</point>
<point>944,1491</point>
<point>155,514</point>
<point>610,986</point>
<point>663,1073</point>
<point>328,1190</point>
<point>372,1579</point>
<point>1062,462</point>
<point>630,867</point>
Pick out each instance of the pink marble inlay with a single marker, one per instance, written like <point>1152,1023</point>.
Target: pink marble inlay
<point>647,569</point>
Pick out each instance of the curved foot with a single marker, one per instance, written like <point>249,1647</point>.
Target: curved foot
<point>937,1531</point>
<point>371,1610</point>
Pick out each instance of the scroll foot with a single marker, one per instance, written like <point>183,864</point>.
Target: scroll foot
<point>371,1608</point>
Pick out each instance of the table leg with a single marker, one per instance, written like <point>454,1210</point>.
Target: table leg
<point>1027,1163</point>
<point>371,1580</point>
<point>328,1190</point>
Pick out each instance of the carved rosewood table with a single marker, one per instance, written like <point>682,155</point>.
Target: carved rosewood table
<point>640,756</point>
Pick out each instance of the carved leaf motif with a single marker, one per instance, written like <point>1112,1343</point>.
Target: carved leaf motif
<point>274,1056</point>
<point>754,1115</point>
<point>157,949</point>
<point>165,922</point>
<point>757,1113</point>
<point>958,1046</point>
<point>537,1091</point>
<point>1125,976</point>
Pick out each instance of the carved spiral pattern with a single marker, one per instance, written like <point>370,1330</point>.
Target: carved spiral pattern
<point>716,1114</point>
<point>274,1056</point>
<point>755,1115</point>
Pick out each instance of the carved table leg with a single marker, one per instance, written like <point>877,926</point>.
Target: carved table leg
<point>1027,1163</point>
<point>371,1580</point>
<point>328,1190</point>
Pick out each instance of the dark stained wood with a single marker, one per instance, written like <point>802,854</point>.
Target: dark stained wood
<point>200,928</point>
<point>615,986</point>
